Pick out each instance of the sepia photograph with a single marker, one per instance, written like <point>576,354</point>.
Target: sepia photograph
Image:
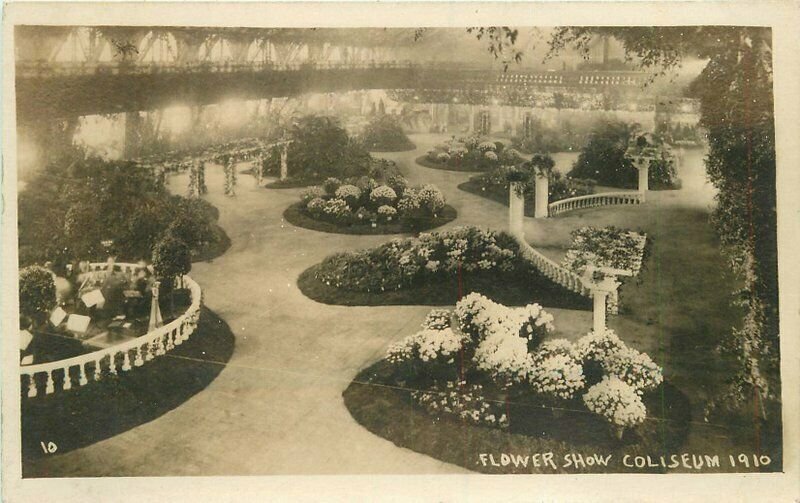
<point>433,249</point>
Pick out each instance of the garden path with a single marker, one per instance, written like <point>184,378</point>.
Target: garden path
<point>277,408</point>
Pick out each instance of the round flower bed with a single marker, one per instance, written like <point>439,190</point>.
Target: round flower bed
<point>367,205</point>
<point>483,378</point>
<point>470,154</point>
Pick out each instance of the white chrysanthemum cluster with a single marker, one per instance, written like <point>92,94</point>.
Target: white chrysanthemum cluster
<point>490,155</point>
<point>487,146</point>
<point>348,192</point>
<point>617,401</point>
<point>634,368</point>
<point>336,208</point>
<point>431,197</point>
<point>558,376</point>
<point>316,205</point>
<point>437,319</point>
<point>502,334</point>
<point>598,346</point>
<point>383,194</point>
<point>427,345</point>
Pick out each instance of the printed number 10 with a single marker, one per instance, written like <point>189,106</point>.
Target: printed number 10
<point>50,448</point>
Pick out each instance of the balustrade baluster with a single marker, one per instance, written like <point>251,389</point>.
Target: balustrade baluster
<point>67,380</point>
<point>50,383</point>
<point>82,380</point>
<point>98,370</point>
<point>126,361</point>
<point>138,361</point>
<point>112,364</point>
<point>32,391</point>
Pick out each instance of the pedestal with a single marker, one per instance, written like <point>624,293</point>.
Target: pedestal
<point>542,196</point>
<point>516,209</point>
<point>599,311</point>
<point>643,179</point>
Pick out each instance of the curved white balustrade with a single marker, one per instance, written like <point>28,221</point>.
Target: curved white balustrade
<point>125,356</point>
<point>552,270</point>
<point>594,201</point>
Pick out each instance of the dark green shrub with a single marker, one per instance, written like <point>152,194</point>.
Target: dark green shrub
<point>37,292</point>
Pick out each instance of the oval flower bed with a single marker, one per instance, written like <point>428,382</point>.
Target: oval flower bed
<point>484,378</point>
<point>435,268</point>
<point>367,205</point>
<point>470,154</point>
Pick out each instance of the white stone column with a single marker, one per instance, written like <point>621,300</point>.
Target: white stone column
<point>599,311</point>
<point>542,196</point>
<point>516,209</point>
<point>642,164</point>
<point>284,161</point>
<point>600,292</point>
<point>471,126</point>
<point>446,117</point>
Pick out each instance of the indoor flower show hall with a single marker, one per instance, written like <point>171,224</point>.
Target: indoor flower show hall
<point>364,258</point>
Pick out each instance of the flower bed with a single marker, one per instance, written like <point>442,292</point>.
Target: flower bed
<point>494,185</point>
<point>368,205</point>
<point>433,268</point>
<point>606,247</point>
<point>470,154</point>
<point>490,367</point>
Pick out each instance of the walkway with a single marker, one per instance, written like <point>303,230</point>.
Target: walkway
<point>277,408</point>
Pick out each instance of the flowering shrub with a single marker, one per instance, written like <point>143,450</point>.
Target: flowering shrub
<point>555,347</point>
<point>504,355</point>
<point>316,206</point>
<point>598,347</point>
<point>442,157</point>
<point>487,146</point>
<point>398,183</point>
<point>437,319</point>
<point>409,202</point>
<point>386,213</point>
<point>402,262</point>
<point>312,193</point>
<point>605,247</point>
<point>427,345</point>
<point>557,376</point>
<point>336,209</point>
<point>464,401</point>
<point>617,402</point>
<point>635,369</point>
<point>431,198</point>
<point>382,195</point>
<point>349,194</point>
<point>490,155</point>
<point>502,335</point>
<point>330,185</point>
